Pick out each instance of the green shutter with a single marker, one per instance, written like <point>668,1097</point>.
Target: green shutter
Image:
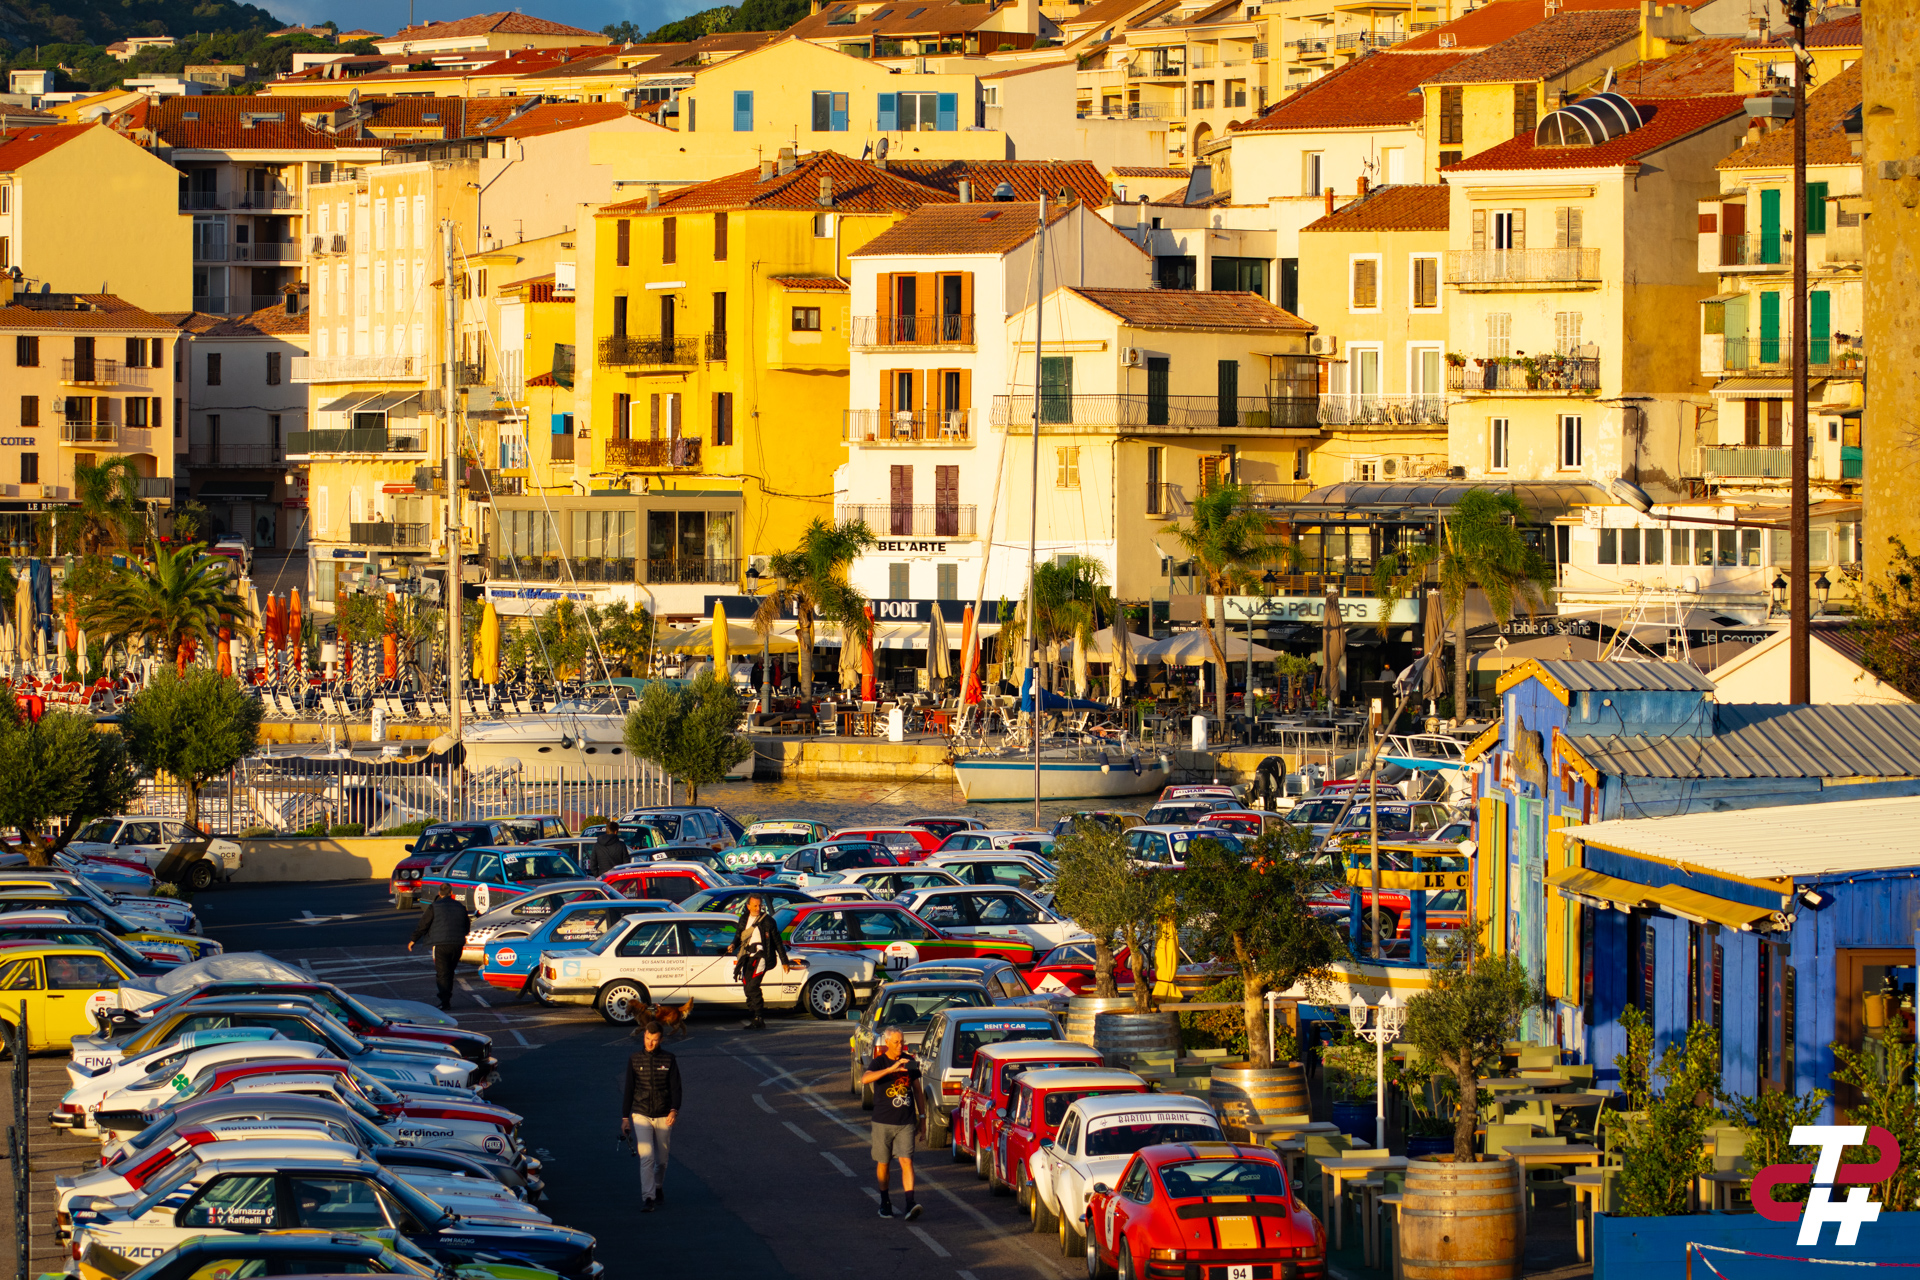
<point>1819,326</point>
<point>1816,208</point>
<point>1159,369</point>
<point>1229,391</point>
<point>1056,389</point>
<point>1770,225</point>
<point>1770,327</point>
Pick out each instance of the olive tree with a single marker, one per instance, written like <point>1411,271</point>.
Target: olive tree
<point>61,773</point>
<point>1103,890</point>
<point>1472,1006</point>
<point>194,727</point>
<point>692,731</point>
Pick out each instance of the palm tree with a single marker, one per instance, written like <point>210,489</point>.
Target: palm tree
<point>1069,596</point>
<point>812,580</point>
<point>1480,546</point>
<point>1229,540</point>
<point>107,511</point>
<point>177,596</point>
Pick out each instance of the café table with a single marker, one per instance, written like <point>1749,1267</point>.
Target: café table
<point>1335,1174</point>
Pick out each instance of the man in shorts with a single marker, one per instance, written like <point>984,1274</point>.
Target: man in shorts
<point>895,1077</point>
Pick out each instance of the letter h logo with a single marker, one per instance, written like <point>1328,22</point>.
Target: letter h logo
<point>1846,1215</point>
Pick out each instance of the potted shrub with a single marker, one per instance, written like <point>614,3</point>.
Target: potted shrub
<point>1661,1138</point>
<point>1101,889</point>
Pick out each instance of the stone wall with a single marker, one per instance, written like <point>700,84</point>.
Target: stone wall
<point>1890,427</point>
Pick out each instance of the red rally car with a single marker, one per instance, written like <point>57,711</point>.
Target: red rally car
<point>1069,967</point>
<point>1203,1211</point>
<point>890,934</point>
<point>989,1089</point>
<point>1040,1100</point>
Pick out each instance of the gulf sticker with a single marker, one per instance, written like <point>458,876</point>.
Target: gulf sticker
<point>504,956</point>
<point>1146,1117</point>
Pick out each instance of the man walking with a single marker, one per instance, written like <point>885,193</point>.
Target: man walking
<point>443,925</point>
<point>649,1101</point>
<point>608,851</point>
<point>759,948</point>
<point>896,1080</point>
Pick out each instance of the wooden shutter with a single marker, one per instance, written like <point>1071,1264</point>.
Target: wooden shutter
<point>653,416</point>
<point>719,237</point>
<point>1366,283</point>
<point>885,426</point>
<point>1776,413</point>
<point>1228,387</point>
<point>946,502</point>
<point>1426,282</point>
<point>1816,208</point>
<point>1519,230</point>
<point>926,307</point>
<point>159,354</point>
<point>1452,113</point>
<point>883,309</point>
<point>1751,437</point>
<point>623,242</point>
<point>669,240</point>
<point>901,501</point>
<point>136,352</point>
<point>1479,230</point>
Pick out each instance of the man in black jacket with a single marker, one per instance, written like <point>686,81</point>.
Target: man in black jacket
<point>649,1101</point>
<point>608,851</point>
<point>758,948</point>
<point>443,925</point>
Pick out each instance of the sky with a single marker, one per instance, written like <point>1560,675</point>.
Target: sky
<point>388,16</point>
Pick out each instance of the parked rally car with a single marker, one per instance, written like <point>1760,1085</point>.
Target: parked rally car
<point>508,962</point>
<point>1221,1206</point>
<point>242,1194</point>
<point>297,1252</point>
<point>258,967</point>
<point>140,1080</point>
<point>170,848</point>
<point>680,956</point>
<point>485,877</point>
<point>907,1007</point>
<point>1091,1147</point>
<point>520,916</point>
<point>947,1053</point>
<point>129,929</point>
<point>772,840</point>
<point>988,1089</point>
<point>56,988</point>
<point>1040,1102</point>
<point>435,847</point>
<point>170,914</point>
<point>889,933</point>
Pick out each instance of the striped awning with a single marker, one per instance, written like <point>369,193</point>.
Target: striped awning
<point>1767,389</point>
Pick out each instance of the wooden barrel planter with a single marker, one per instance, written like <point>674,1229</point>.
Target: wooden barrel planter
<point>1463,1221</point>
<point>1244,1095</point>
<point>1124,1037</point>
<point>1082,1010</point>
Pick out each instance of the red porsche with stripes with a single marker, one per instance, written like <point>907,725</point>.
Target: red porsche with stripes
<point>1203,1211</point>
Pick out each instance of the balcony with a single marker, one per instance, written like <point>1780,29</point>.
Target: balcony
<point>1383,411</point>
<point>1356,41</point>
<point>1310,50</point>
<point>267,201</point>
<point>626,350</point>
<point>639,454</point>
<point>207,453</point>
<point>202,201</point>
<point>302,444</point>
<point>903,521</point>
<point>908,426</point>
<point>1132,111</point>
<point>1149,70</point>
<point>209,250</point>
<point>73,431</point>
<point>100,373</point>
<point>383,533</point>
<point>359,369</point>
<point>1751,250</point>
<point>1494,269</point>
<point>1555,375</point>
<point>267,251</point>
<point>1759,462</point>
<point>716,348</point>
<point>1166,500</point>
<point>693,569</point>
<point>1825,358</point>
<point>1161,413</point>
<point>869,333</point>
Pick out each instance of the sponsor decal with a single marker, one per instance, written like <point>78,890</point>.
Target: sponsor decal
<point>1130,1118</point>
<point>493,1144</point>
<point>1826,1173</point>
<point>504,956</point>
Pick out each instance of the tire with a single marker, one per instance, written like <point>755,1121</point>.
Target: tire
<point>1388,926</point>
<point>1072,1243</point>
<point>866,1097</point>
<point>199,877</point>
<point>827,997</point>
<point>619,999</point>
<point>853,1081</point>
<point>1044,1220</point>
<point>958,1153</point>
<point>982,1169</point>
<point>1125,1256</point>
<point>939,1133</point>
<point>996,1185</point>
<point>526,988</point>
<point>403,902</point>
<point>1096,1269</point>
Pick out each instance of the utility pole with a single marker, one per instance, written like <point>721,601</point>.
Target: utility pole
<point>456,631</point>
<point>1033,502</point>
<point>1799,573</point>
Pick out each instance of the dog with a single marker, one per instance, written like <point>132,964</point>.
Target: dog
<point>672,1020</point>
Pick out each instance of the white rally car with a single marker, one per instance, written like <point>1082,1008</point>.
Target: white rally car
<point>673,957</point>
<point>146,839</point>
<point>149,1079</point>
<point>1096,1138</point>
<point>170,914</point>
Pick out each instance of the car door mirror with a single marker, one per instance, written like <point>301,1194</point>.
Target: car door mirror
<point>1000,1114</point>
<point>409,848</point>
<point>1102,1189</point>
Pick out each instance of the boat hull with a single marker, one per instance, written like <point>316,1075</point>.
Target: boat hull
<point>581,749</point>
<point>1009,778</point>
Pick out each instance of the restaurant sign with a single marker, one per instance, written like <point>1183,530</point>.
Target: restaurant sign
<point>1313,609</point>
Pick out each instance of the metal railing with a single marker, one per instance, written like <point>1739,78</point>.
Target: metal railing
<point>76,432</point>
<point>681,452</point>
<point>1522,266</point>
<point>915,521</point>
<point>1753,461</point>
<point>1557,374</point>
<point>627,349</point>
<point>266,251</point>
<point>1166,499</point>
<point>1823,355</point>
<point>386,533</point>
<point>1368,40</point>
<point>206,453</point>
<point>301,444</point>
<point>1360,409</point>
<point>261,301</point>
<point>1752,249</point>
<point>357,368</point>
<point>268,200</point>
<point>911,331</point>
<point>717,346</point>
<point>909,426</point>
<point>1171,412</point>
<point>1131,111</point>
<point>1155,71</point>
<point>693,569</point>
<point>1309,48</point>
<point>209,250</point>
<point>203,200</point>
<point>213,304</point>
<point>100,373</point>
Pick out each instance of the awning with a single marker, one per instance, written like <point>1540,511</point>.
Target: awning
<point>1611,892</point>
<point>244,490</point>
<point>1766,388</point>
<point>1723,297</point>
<point>1704,908</point>
<point>371,402</point>
<point>1597,890</point>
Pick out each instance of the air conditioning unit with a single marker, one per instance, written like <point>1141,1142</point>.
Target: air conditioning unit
<point>1391,467</point>
<point>1323,344</point>
<point>59,406</point>
<point>1133,357</point>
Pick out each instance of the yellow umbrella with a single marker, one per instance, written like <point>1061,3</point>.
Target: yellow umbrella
<point>720,639</point>
<point>1166,959</point>
<point>486,652</point>
<point>699,641</point>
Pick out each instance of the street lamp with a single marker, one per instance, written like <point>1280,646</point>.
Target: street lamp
<point>1779,591</point>
<point>1389,1016</point>
<point>1820,589</point>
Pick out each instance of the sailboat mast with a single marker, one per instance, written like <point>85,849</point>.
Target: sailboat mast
<point>1033,506</point>
<point>453,601</point>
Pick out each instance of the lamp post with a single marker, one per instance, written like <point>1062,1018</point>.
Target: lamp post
<point>1389,1016</point>
<point>1779,592</point>
<point>1820,589</point>
<point>766,650</point>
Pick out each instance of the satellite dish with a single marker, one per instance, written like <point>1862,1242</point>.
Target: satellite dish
<point>880,150</point>
<point>353,97</point>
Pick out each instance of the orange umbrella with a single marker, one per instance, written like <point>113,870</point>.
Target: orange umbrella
<point>226,645</point>
<point>183,655</point>
<point>866,660</point>
<point>73,628</point>
<point>293,628</point>
<point>390,642</point>
<point>970,647</point>
<point>273,621</point>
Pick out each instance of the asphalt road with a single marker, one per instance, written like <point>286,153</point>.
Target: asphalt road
<point>769,1175</point>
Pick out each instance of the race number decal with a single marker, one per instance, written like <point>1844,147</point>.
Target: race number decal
<point>899,955</point>
<point>480,899</point>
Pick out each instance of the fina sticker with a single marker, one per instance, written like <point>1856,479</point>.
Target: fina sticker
<point>1146,1117</point>
<point>569,968</point>
<point>493,1144</point>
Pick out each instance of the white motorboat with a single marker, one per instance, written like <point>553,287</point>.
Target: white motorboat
<point>1071,773</point>
<point>581,740</point>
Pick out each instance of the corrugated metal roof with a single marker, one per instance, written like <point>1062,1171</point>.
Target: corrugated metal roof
<point>1614,677</point>
<point>1801,840</point>
<point>1761,740</point>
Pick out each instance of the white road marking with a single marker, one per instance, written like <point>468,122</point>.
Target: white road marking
<point>838,1163</point>
<point>764,1105</point>
<point>798,1132</point>
<point>872,1194</point>
<point>477,999</point>
<point>939,1251</point>
<point>968,1275</point>
<point>524,1042</point>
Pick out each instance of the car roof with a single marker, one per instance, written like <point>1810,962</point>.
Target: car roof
<point>30,946</point>
<point>302,1240</point>
<point>1014,1050</point>
<point>1081,1077</point>
<point>1169,1152</point>
<point>207,1109</point>
<point>1107,1104</point>
<point>996,1011</point>
<point>270,1149</point>
<point>911,985</point>
<point>961,962</point>
<point>665,864</point>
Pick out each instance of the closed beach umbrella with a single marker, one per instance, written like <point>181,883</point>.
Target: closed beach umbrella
<point>72,628</point>
<point>226,645</point>
<point>293,629</point>
<point>866,659</point>
<point>970,659</point>
<point>722,640</point>
<point>23,617</point>
<point>487,648</point>
<point>939,662</point>
<point>1333,647</point>
<point>1079,670</point>
<point>1433,678</point>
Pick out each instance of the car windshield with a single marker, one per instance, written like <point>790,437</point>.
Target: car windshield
<point>916,1008</point>
<point>1125,1134</point>
<point>1225,839</point>
<point>1317,811</point>
<point>969,1037</point>
<point>1071,953</point>
<point>942,827</point>
<point>1390,819</point>
<point>450,839</point>
<point>1190,1179</point>
<point>100,831</point>
<point>536,864</point>
<point>378,1094</point>
<point>159,1189</point>
<point>667,825</point>
<point>775,839</point>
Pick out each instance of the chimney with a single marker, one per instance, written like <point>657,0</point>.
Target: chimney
<point>1119,193</point>
<point>766,170</point>
<point>653,197</point>
<point>786,161</point>
<point>1329,202</point>
<point>1140,222</point>
<point>966,191</point>
<point>826,191</point>
<point>1361,186</point>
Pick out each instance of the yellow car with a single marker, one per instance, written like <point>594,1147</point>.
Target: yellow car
<point>50,990</point>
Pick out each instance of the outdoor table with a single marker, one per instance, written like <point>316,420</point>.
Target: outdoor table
<point>1334,1174</point>
<point>1509,1084</point>
<point>856,724</point>
<point>1527,1154</point>
<point>1391,1204</point>
<point>1586,1187</point>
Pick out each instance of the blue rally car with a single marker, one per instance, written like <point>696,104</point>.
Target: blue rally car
<point>484,877</point>
<point>575,926</point>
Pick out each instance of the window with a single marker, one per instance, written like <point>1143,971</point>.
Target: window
<point>1567,227</point>
<point>1311,176</point>
<point>1227,392</point>
<point>669,240</point>
<point>26,351</point>
<point>1816,209</point>
<point>1066,460</point>
<point>622,242</point>
<point>137,412</point>
<point>806,319</point>
<point>236,1202</point>
<point>829,112</point>
<point>1499,334</point>
<point>1509,229</point>
<point>946,579</point>
<point>722,417</point>
<point>1426,282</point>
<point>29,468</point>
<point>918,112</point>
<point>1449,157</point>
<point>822,226</point>
<point>1238,275</point>
<point>29,411</point>
<point>720,237</point>
<point>1566,332</point>
<point>1770,225</point>
<point>743,111</point>
<point>898,581</point>
<point>1526,109</point>
<point>213,368</point>
<point>619,315</point>
<point>1365,292</point>
<point>273,368</point>
<point>1156,456</point>
<point>1498,456</point>
<point>1570,455</point>
<point>1393,165</point>
<point>1452,115</point>
<point>157,357</point>
<point>946,501</point>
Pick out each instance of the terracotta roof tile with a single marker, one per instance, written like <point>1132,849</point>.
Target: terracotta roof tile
<point>554,117</point>
<point>1827,143</point>
<point>99,311</point>
<point>267,322</point>
<point>1101,14</point>
<point>217,122</point>
<point>1080,178</point>
<point>858,187</point>
<point>1148,171</point>
<point>23,146</point>
<point>1841,33</point>
<point>517,24</point>
<point>810,284</point>
<point>1696,69</point>
<point>1667,120</point>
<point>1488,25</point>
<point>1403,208</point>
<point>1029,69</point>
<point>1374,90</point>
<point>191,321</point>
<point>961,228</point>
<point>899,18</point>
<point>1182,309</point>
<point>1549,48</point>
